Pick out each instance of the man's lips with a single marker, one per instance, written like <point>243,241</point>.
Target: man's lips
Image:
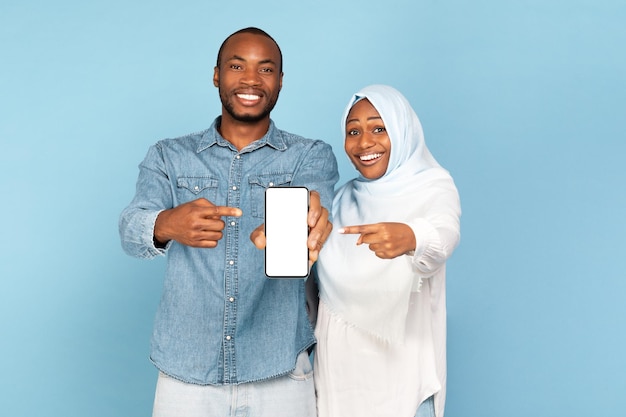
<point>248,98</point>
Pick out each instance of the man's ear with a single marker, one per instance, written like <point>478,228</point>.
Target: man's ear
<point>216,76</point>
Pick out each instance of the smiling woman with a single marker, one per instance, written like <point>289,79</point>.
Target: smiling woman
<point>382,315</point>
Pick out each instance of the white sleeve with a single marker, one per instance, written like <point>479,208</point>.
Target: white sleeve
<point>436,236</point>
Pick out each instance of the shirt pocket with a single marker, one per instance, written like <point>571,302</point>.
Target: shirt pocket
<point>192,188</point>
<point>258,184</point>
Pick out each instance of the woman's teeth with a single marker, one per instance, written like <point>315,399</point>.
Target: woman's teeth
<point>370,156</point>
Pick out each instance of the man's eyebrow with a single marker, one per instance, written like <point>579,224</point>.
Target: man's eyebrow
<point>267,61</point>
<point>235,57</point>
<point>263,61</point>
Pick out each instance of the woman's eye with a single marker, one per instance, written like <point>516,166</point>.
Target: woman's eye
<point>352,132</point>
<point>379,130</point>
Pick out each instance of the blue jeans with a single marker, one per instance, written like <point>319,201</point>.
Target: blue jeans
<point>427,408</point>
<point>292,395</point>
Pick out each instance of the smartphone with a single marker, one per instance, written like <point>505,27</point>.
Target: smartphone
<point>286,232</point>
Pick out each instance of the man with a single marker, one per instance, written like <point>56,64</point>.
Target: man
<point>227,339</point>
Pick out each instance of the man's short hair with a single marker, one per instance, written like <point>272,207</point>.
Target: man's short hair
<point>254,31</point>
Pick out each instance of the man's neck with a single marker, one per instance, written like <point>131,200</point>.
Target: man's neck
<point>241,134</point>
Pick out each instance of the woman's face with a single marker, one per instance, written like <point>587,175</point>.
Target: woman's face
<point>367,143</point>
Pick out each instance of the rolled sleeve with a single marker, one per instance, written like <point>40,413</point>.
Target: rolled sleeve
<point>153,195</point>
<point>137,234</point>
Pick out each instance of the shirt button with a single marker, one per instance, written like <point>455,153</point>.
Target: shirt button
<point>231,299</point>
<point>238,156</point>
<point>231,262</point>
<point>228,337</point>
<point>232,223</point>
<point>234,187</point>
<point>271,184</point>
<point>196,188</point>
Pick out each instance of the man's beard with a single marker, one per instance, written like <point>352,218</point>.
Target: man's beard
<point>245,117</point>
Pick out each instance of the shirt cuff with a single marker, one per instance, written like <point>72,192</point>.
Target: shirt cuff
<point>147,236</point>
<point>426,240</point>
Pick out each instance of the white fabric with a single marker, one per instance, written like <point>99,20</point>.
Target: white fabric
<point>375,301</point>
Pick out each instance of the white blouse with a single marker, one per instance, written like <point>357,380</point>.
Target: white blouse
<point>360,374</point>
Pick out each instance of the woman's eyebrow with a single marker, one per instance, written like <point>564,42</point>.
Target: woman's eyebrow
<point>369,118</point>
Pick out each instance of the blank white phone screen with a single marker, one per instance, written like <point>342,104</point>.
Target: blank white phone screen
<point>286,232</point>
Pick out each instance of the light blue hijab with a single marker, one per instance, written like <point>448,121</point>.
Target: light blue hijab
<point>367,291</point>
<point>409,154</point>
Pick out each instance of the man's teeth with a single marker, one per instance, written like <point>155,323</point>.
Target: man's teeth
<point>370,156</point>
<point>248,96</point>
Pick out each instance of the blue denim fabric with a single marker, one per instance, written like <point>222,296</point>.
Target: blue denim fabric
<point>220,319</point>
<point>292,395</point>
<point>427,408</point>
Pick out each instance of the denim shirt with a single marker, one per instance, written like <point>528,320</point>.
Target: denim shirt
<point>220,319</point>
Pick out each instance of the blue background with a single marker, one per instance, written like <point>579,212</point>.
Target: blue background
<point>523,101</point>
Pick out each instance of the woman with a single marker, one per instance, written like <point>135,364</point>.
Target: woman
<point>381,324</point>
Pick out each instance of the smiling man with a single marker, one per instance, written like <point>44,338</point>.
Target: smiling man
<point>226,338</point>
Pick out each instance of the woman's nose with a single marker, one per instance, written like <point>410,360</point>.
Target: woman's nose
<point>366,141</point>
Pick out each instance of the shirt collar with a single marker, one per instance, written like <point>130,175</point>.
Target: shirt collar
<point>272,138</point>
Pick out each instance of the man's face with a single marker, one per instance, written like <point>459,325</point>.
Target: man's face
<point>249,77</point>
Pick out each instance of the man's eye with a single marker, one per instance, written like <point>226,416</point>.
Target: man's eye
<point>235,66</point>
<point>267,70</point>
